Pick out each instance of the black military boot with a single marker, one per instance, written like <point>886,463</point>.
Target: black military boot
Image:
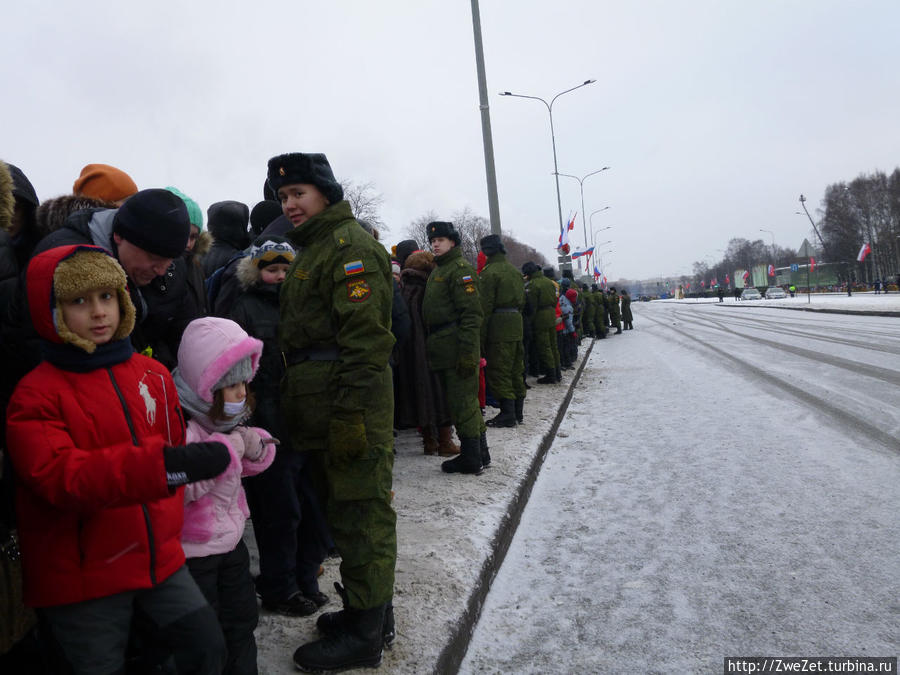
<point>548,378</point>
<point>357,645</point>
<point>520,410</point>
<point>469,459</point>
<point>485,454</point>
<point>558,374</point>
<point>332,623</point>
<point>507,416</point>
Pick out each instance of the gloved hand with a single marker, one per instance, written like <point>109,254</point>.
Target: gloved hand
<point>347,435</point>
<point>195,461</point>
<point>253,443</point>
<point>467,365</point>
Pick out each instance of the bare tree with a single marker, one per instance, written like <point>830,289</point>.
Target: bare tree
<point>365,202</point>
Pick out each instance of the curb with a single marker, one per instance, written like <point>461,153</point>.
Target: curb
<point>451,656</point>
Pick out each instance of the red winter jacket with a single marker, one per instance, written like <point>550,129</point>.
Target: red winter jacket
<point>95,516</point>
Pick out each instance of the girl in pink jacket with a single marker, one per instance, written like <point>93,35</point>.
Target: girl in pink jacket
<point>216,361</point>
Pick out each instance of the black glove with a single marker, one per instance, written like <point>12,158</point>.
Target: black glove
<point>195,461</point>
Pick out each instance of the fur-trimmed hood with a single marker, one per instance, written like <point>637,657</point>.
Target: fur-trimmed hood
<point>7,198</point>
<point>247,272</point>
<point>51,215</point>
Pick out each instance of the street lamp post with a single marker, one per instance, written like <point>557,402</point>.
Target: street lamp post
<point>552,134</point>
<point>591,221</point>
<point>581,186</point>
<point>773,243</point>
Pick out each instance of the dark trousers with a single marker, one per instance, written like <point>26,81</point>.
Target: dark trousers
<point>93,635</point>
<point>226,583</point>
<point>289,526</point>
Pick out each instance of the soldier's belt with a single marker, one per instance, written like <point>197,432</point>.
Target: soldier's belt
<point>506,310</point>
<point>325,353</point>
<point>441,326</point>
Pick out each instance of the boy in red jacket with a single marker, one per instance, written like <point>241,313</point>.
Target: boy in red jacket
<point>96,438</point>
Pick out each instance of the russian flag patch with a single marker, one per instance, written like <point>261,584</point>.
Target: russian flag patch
<point>466,279</point>
<point>355,267</point>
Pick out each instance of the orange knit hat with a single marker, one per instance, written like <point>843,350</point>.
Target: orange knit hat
<point>102,181</point>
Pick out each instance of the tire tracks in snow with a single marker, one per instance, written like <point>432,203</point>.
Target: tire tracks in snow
<point>875,372</point>
<point>835,412</point>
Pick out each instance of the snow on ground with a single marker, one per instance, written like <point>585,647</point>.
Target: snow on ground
<point>689,509</point>
<point>699,507</point>
<point>858,302</point>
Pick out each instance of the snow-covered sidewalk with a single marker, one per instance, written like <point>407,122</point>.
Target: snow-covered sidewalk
<point>885,304</point>
<point>452,533</point>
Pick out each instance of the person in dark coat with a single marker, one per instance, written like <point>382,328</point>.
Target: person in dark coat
<point>262,215</point>
<point>419,396</point>
<point>193,252</point>
<point>288,524</point>
<point>227,223</point>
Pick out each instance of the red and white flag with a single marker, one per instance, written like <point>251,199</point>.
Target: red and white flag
<point>771,270</point>
<point>863,252</point>
<point>812,264</point>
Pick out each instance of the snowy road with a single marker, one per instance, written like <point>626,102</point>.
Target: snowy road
<point>726,483</point>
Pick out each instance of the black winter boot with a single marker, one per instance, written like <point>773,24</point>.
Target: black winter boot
<point>469,460</point>
<point>485,455</point>
<point>507,416</point>
<point>332,623</point>
<point>520,410</point>
<point>548,378</point>
<point>357,645</point>
<point>558,374</point>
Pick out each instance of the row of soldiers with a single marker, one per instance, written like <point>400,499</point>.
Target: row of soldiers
<point>506,316</point>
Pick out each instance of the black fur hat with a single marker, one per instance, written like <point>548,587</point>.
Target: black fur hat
<point>492,244</point>
<point>440,228</point>
<point>300,167</point>
<point>530,268</point>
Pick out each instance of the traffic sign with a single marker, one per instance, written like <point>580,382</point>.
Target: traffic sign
<point>795,267</point>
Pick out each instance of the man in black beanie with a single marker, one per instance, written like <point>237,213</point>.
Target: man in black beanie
<point>147,235</point>
<point>502,293</point>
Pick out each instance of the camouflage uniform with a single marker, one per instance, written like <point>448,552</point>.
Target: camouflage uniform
<point>502,292</point>
<point>337,394</point>
<point>542,300</point>
<point>614,315</point>
<point>453,316</point>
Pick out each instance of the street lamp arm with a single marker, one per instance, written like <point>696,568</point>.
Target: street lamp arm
<point>583,84</point>
<point>533,98</point>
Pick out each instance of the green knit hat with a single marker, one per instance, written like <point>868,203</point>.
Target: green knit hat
<point>195,213</point>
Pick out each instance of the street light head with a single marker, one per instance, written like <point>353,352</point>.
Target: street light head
<point>506,93</point>
<point>802,198</point>
<point>604,168</point>
<point>589,81</point>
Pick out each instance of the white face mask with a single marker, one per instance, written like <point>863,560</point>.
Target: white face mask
<point>232,409</point>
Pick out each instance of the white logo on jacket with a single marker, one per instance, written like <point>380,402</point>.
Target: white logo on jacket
<point>149,401</point>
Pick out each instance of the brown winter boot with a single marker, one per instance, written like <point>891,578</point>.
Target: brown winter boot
<point>446,446</point>
<point>429,442</point>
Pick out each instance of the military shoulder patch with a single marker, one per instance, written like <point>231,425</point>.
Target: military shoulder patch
<point>355,267</point>
<point>467,279</point>
<point>470,288</point>
<point>358,290</point>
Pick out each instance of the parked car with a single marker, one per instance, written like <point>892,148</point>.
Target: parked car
<point>750,294</point>
<point>775,293</point>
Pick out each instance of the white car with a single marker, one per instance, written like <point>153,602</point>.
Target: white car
<point>750,293</point>
<point>775,293</point>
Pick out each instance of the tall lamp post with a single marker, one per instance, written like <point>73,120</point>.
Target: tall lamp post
<point>581,186</point>
<point>552,134</point>
<point>773,243</point>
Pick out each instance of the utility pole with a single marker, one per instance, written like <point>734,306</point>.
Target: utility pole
<point>493,204</point>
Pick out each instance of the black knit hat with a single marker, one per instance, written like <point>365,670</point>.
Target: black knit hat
<point>404,248</point>
<point>300,167</point>
<point>440,228</point>
<point>154,220</point>
<point>530,268</point>
<point>263,214</point>
<point>492,245</point>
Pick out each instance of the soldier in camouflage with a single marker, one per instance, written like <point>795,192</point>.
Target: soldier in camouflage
<point>541,299</point>
<point>615,316</point>
<point>502,292</point>
<point>337,398</point>
<point>453,316</point>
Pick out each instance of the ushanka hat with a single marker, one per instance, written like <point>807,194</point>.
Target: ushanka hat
<point>90,268</point>
<point>492,244</point>
<point>271,250</point>
<point>301,167</point>
<point>530,268</point>
<point>440,228</point>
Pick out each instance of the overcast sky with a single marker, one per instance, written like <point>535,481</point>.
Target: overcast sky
<point>713,115</point>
